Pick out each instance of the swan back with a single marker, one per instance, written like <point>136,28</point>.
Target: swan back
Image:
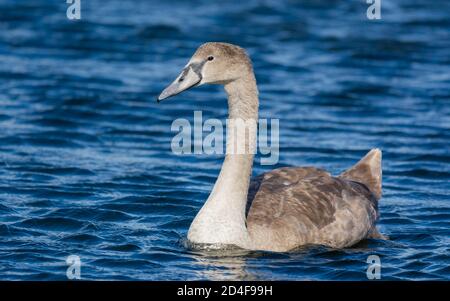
<point>294,206</point>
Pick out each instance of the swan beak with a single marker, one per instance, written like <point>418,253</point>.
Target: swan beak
<point>189,77</point>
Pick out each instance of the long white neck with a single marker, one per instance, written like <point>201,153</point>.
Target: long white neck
<point>222,218</point>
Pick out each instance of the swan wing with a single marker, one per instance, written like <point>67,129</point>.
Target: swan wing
<point>294,206</point>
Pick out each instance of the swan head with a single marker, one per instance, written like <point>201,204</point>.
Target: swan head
<point>212,63</point>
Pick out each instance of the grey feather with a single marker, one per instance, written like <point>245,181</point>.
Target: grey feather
<point>305,205</point>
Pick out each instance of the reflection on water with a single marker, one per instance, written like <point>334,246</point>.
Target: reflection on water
<point>222,266</point>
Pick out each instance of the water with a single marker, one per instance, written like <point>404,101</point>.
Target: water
<point>86,166</point>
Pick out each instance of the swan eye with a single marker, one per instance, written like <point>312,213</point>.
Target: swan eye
<point>210,58</point>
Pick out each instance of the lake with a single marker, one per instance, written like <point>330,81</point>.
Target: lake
<point>86,166</point>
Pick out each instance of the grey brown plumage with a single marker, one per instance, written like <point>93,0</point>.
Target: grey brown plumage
<point>367,171</point>
<point>294,206</point>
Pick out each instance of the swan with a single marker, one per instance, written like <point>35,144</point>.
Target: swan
<point>285,208</point>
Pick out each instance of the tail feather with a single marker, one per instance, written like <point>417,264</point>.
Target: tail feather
<point>367,171</point>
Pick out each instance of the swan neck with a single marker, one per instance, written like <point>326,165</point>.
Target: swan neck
<point>243,100</point>
<point>222,219</point>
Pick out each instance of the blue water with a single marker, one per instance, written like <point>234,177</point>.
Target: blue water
<point>86,167</point>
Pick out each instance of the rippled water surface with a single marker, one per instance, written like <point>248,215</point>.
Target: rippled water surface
<point>85,161</point>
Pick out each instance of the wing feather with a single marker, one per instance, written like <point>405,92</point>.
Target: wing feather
<point>295,206</point>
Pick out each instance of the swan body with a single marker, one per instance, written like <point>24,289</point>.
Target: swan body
<point>285,208</point>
